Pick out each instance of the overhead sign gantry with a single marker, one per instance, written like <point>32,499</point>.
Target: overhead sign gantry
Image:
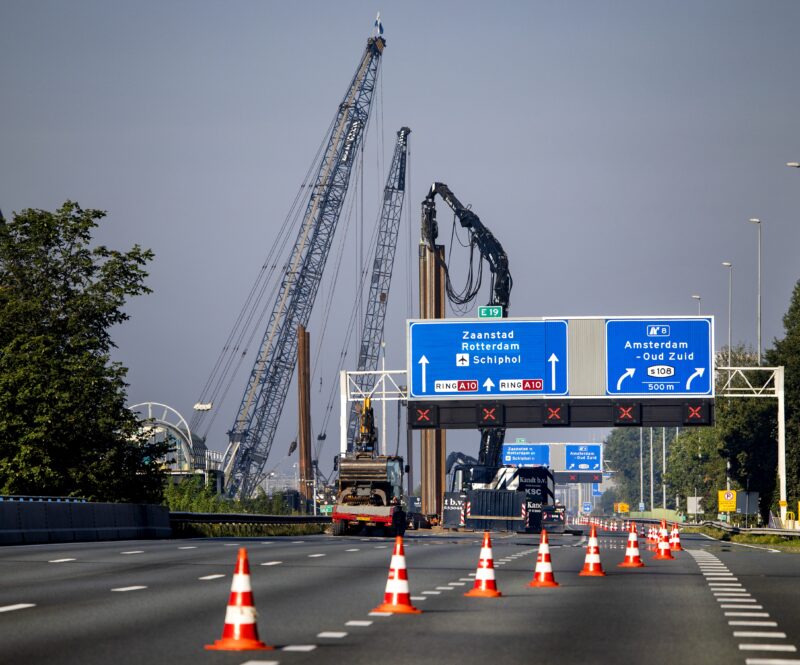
<point>579,372</point>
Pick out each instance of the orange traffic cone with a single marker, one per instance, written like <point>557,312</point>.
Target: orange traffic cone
<point>543,574</point>
<point>396,598</point>
<point>591,565</point>
<point>675,539</point>
<point>632,556</point>
<point>485,585</point>
<point>240,632</point>
<point>663,553</point>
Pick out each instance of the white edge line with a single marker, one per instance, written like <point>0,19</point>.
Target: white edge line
<point>18,606</point>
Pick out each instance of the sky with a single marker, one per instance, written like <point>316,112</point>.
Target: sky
<point>615,149</point>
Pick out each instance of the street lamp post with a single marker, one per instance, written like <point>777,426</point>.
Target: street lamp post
<point>757,222</point>
<point>729,266</point>
<point>698,299</point>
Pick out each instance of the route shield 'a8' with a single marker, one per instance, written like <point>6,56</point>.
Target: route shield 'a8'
<point>659,357</point>
<point>496,358</point>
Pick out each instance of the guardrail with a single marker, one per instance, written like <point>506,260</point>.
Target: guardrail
<point>756,531</point>
<point>49,499</point>
<point>244,518</point>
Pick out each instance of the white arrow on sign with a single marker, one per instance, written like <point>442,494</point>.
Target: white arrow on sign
<point>629,371</point>
<point>488,384</point>
<point>424,362</point>
<point>698,371</point>
<point>553,359</point>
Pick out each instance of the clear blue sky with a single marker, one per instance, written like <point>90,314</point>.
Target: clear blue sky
<point>616,149</point>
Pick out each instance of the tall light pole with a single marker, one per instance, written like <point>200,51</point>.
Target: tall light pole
<point>729,266</point>
<point>698,299</point>
<point>757,222</point>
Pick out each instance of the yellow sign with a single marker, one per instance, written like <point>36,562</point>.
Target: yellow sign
<point>623,508</point>
<point>783,504</point>
<point>727,501</point>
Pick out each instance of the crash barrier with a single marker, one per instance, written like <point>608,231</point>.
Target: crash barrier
<point>56,499</point>
<point>29,522</point>
<point>177,518</point>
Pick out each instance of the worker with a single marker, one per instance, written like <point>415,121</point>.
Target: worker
<point>398,517</point>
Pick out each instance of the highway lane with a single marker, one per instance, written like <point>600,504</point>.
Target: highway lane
<point>175,594</point>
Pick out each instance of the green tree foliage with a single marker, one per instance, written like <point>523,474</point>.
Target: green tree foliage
<point>786,352</point>
<point>192,495</point>
<point>64,427</point>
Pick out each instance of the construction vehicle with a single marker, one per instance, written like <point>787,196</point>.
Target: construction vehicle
<point>370,486</point>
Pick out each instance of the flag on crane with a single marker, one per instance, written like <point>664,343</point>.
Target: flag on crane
<point>378,24</point>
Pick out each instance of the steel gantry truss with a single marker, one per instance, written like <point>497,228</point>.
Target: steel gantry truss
<point>762,382</point>
<point>378,299</point>
<point>253,431</point>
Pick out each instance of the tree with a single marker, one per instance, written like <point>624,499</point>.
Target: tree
<point>64,427</point>
<point>786,352</point>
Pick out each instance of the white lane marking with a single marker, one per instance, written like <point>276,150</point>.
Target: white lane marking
<point>18,606</point>
<point>230,544</point>
<point>129,588</point>
<point>133,552</point>
<point>431,593</point>
<point>314,556</point>
<point>742,607</point>
<point>271,563</point>
<point>60,560</point>
<point>755,547</point>
<point>771,661</point>
<point>188,547</point>
<point>354,549</point>
<point>768,647</point>
<point>358,623</point>
<point>299,647</point>
<point>465,579</point>
<point>418,598</point>
<point>729,585</point>
<point>211,577</point>
<point>763,624</point>
<point>261,662</point>
<point>381,547</point>
<point>457,583</point>
<point>759,633</point>
<point>444,588</point>
<point>762,615</point>
<point>332,635</point>
<point>297,542</point>
<point>472,575</point>
<point>380,614</point>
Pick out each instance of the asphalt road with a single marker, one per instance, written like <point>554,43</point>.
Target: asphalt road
<point>146,602</point>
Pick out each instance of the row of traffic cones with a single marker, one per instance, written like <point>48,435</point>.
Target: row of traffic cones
<point>240,632</point>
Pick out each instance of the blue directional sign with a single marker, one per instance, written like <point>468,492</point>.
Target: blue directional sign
<point>659,357</point>
<point>498,358</point>
<point>596,490</point>
<point>526,454</point>
<point>583,457</point>
<point>587,507</point>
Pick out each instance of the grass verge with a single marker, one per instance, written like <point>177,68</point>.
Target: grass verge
<point>245,530</point>
<point>783,543</point>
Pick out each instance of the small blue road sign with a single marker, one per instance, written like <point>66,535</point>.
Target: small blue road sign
<point>583,457</point>
<point>476,359</point>
<point>526,454</point>
<point>660,357</point>
<point>587,507</point>
<point>596,490</point>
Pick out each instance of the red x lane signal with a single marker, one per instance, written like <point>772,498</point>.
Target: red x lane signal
<point>627,413</point>
<point>491,415</point>
<point>555,413</point>
<point>425,415</point>
<point>696,414</point>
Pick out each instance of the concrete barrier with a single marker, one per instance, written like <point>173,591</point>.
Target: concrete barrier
<point>23,523</point>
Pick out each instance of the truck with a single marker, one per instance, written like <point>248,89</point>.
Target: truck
<point>370,486</point>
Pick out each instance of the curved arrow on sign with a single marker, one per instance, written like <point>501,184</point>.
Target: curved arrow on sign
<point>698,371</point>
<point>629,371</point>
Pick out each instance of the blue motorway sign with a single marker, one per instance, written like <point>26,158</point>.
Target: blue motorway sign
<point>587,507</point>
<point>526,454</point>
<point>498,358</point>
<point>659,357</point>
<point>596,489</point>
<point>583,457</point>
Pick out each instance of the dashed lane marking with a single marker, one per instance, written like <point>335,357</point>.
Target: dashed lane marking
<point>759,633</point>
<point>457,583</point>
<point>133,552</point>
<point>299,647</point>
<point>763,615</point>
<point>444,588</point>
<point>786,648</point>
<point>211,577</point>
<point>418,598</point>
<point>61,560</point>
<point>315,556</point>
<point>742,607</point>
<point>261,662</point>
<point>332,635</point>
<point>754,624</point>
<point>771,661</point>
<point>18,606</point>
<point>271,563</point>
<point>361,624</point>
<point>381,614</point>
<point>431,593</point>
<point>129,588</point>
<point>354,549</point>
<point>188,547</point>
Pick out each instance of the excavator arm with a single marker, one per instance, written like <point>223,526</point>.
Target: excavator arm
<point>492,251</point>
